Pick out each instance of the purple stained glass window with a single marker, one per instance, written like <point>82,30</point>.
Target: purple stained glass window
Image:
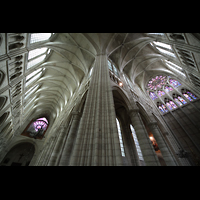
<point>182,100</point>
<point>174,82</point>
<point>39,124</point>
<point>173,104</point>
<point>188,97</point>
<point>160,107</point>
<point>169,105</point>
<point>192,95</point>
<point>168,88</point>
<point>153,95</point>
<point>157,82</point>
<point>163,108</point>
<point>161,93</point>
<point>178,102</point>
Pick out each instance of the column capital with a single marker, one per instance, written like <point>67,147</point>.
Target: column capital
<point>132,111</point>
<point>76,113</point>
<point>153,124</point>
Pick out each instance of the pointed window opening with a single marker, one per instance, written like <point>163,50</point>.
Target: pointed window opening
<point>120,138</point>
<point>136,143</point>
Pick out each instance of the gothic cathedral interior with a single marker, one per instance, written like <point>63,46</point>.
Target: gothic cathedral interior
<point>99,99</point>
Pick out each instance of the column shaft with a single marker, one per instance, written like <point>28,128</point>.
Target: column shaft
<point>148,152</point>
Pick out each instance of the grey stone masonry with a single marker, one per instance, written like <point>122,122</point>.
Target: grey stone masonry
<point>148,152</point>
<point>97,140</point>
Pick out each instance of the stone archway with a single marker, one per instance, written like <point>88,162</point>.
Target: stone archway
<point>19,155</point>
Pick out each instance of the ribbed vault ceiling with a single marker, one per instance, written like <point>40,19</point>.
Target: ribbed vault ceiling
<point>73,55</point>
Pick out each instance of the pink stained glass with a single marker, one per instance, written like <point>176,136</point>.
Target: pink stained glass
<point>173,104</point>
<point>43,119</point>
<point>161,93</point>
<point>156,82</point>
<point>178,102</point>
<point>153,95</point>
<point>173,82</point>
<point>168,88</point>
<point>39,124</point>
<point>192,95</point>
<point>169,105</point>
<point>163,108</point>
<point>188,97</point>
<point>182,100</point>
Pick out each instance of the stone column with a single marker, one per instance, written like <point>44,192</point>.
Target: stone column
<point>148,152</point>
<point>168,157</point>
<point>97,140</point>
<point>68,146</point>
<point>43,154</point>
<point>59,143</point>
<point>48,154</point>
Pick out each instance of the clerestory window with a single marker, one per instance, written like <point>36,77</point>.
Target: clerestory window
<point>38,37</point>
<point>36,56</point>
<point>136,143</point>
<point>120,138</point>
<point>159,86</point>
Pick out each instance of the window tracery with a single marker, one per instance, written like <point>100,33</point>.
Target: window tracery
<point>164,48</point>
<point>37,128</point>
<point>189,95</point>
<point>36,56</point>
<point>38,37</point>
<point>112,67</point>
<point>163,85</point>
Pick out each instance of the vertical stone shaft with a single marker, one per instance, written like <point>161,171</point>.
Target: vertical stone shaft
<point>64,160</point>
<point>161,143</point>
<point>148,152</point>
<point>97,140</point>
<point>57,148</point>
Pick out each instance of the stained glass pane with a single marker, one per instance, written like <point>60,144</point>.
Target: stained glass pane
<point>182,100</point>
<point>178,102</point>
<point>161,93</point>
<point>173,104</point>
<point>157,82</point>
<point>40,125</point>
<point>153,95</point>
<point>173,82</point>
<point>188,97</point>
<point>43,119</point>
<point>169,105</point>
<point>168,88</point>
<point>192,95</point>
<point>163,108</point>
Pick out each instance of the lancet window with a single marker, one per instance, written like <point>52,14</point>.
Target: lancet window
<point>36,56</point>
<point>163,48</point>
<point>189,95</point>
<point>112,67</point>
<point>39,37</point>
<point>120,138</point>
<point>136,143</point>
